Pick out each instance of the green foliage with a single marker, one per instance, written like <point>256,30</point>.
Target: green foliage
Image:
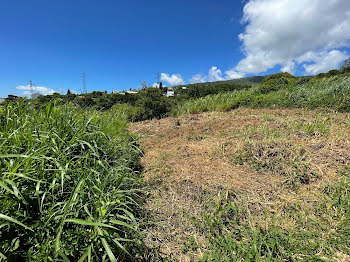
<point>68,188</point>
<point>283,75</point>
<point>333,72</point>
<point>202,90</point>
<point>331,92</point>
<point>153,104</point>
<point>345,67</point>
<point>146,104</point>
<point>276,82</point>
<point>314,127</point>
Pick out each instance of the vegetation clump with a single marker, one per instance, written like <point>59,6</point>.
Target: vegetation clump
<point>68,185</point>
<point>279,158</point>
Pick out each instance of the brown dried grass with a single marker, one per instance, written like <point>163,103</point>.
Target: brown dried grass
<point>190,158</point>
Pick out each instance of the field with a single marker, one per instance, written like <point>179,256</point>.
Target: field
<point>259,173</point>
<point>248,185</point>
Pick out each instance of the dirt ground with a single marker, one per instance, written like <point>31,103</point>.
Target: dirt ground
<point>192,157</point>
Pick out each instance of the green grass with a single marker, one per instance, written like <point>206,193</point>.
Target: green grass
<point>68,187</point>
<point>284,92</point>
<point>317,234</point>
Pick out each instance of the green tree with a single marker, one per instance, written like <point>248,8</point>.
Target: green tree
<point>153,103</point>
<point>345,67</point>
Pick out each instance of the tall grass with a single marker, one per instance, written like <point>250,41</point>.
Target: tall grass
<point>331,92</point>
<point>68,188</point>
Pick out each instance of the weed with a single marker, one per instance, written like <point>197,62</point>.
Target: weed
<point>314,128</point>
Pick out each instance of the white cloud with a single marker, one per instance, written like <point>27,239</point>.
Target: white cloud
<point>174,79</point>
<point>198,78</point>
<point>215,74</point>
<point>286,32</point>
<point>233,74</point>
<point>325,61</point>
<point>289,67</point>
<point>27,90</point>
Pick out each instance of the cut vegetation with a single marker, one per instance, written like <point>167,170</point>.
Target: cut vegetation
<point>248,185</point>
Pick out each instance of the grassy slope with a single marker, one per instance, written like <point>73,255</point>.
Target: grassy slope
<point>249,81</point>
<point>252,80</point>
<point>249,185</point>
<point>68,187</point>
<point>283,92</point>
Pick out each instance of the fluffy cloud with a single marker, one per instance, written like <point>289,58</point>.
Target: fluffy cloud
<point>27,90</point>
<point>174,79</point>
<point>286,32</point>
<point>215,74</point>
<point>325,61</point>
<point>233,74</point>
<point>198,78</point>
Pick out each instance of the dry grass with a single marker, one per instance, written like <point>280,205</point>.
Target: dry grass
<point>194,157</point>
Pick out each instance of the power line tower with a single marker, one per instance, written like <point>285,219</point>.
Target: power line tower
<point>144,84</point>
<point>83,75</point>
<point>31,88</point>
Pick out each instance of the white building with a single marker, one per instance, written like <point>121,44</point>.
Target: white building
<point>2,100</point>
<point>132,91</point>
<point>170,93</point>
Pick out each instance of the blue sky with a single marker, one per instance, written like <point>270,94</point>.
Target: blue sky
<point>120,43</point>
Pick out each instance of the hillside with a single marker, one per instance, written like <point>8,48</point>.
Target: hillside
<point>250,184</point>
<point>251,80</point>
<point>245,81</point>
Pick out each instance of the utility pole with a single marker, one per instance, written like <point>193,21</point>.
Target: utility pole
<point>160,84</point>
<point>83,75</point>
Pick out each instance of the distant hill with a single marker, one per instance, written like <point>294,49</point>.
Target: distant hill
<point>248,81</point>
<point>252,80</point>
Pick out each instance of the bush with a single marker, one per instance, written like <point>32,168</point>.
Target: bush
<point>276,82</point>
<point>153,104</point>
<point>278,76</point>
